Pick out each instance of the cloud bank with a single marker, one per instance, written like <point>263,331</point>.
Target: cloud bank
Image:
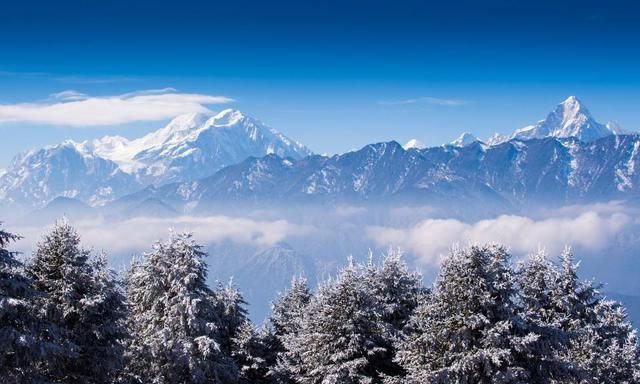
<point>136,235</point>
<point>72,108</point>
<point>432,238</point>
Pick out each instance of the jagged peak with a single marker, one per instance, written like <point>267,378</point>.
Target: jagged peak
<point>464,139</point>
<point>225,118</point>
<point>414,144</point>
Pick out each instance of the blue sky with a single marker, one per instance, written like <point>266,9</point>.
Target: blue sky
<point>335,75</point>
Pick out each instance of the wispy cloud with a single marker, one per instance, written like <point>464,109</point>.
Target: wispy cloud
<point>76,109</point>
<point>427,100</point>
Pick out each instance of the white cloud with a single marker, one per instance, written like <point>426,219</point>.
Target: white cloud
<point>72,108</point>
<point>136,235</point>
<point>427,100</point>
<point>432,238</point>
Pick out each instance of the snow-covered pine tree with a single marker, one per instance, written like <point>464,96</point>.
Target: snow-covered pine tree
<point>22,351</point>
<point>608,350</point>
<point>84,307</point>
<point>396,292</point>
<point>254,351</point>
<point>105,324</point>
<point>285,320</point>
<point>468,329</point>
<point>536,277</point>
<point>339,335</point>
<point>175,320</point>
<point>287,310</point>
<point>232,312</point>
<point>602,342</point>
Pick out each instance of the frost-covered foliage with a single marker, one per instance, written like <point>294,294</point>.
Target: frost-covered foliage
<point>602,343</point>
<point>537,277</point>
<point>488,322</point>
<point>339,335</point>
<point>65,319</point>
<point>469,330</point>
<point>175,321</point>
<point>285,321</point>
<point>347,331</point>
<point>81,300</point>
<point>22,349</point>
<point>288,309</point>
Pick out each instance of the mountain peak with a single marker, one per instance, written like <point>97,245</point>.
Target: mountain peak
<point>414,143</point>
<point>570,118</point>
<point>226,118</point>
<point>464,139</point>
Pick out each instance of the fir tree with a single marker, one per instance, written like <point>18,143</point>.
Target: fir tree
<point>286,318</point>
<point>468,330</point>
<point>547,361</point>
<point>339,336</point>
<point>22,351</point>
<point>254,351</point>
<point>175,321</point>
<point>84,308</point>
<point>602,343</point>
<point>288,309</point>
<point>232,312</point>
<point>396,292</point>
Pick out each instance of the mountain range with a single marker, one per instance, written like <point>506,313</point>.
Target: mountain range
<point>198,161</point>
<point>98,171</point>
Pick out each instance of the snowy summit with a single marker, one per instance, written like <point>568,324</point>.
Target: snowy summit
<point>569,119</point>
<point>414,143</point>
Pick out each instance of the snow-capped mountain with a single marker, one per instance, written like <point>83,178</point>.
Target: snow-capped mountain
<point>195,145</point>
<point>414,143</point>
<point>464,139</point>
<point>36,177</point>
<point>499,177</point>
<point>569,119</point>
<point>198,159</point>
<point>190,147</point>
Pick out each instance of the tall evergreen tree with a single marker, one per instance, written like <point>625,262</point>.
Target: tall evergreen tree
<point>602,343</point>
<point>175,321</point>
<point>84,307</point>
<point>468,330</point>
<point>547,361</point>
<point>255,352</point>
<point>286,320</point>
<point>23,353</point>
<point>396,292</point>
<point>339,336</point>
<point>232,312</point>
<point>287,310</point>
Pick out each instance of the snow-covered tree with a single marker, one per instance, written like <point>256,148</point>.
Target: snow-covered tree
<point>468,330</point>
<point>287,310</point>
<point>608,350</point>
<point>396,289</point>
<point>602,343</point>
<point>105,324</point>
<point>547,361</point>
<point>286,320</point>
<point>22,350</point>
<point>83,305</point>
<point>339,336</point>
<point>232,312</point>
<point>175,321</point>
<point>396,292</point>
<point>254,351</point>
